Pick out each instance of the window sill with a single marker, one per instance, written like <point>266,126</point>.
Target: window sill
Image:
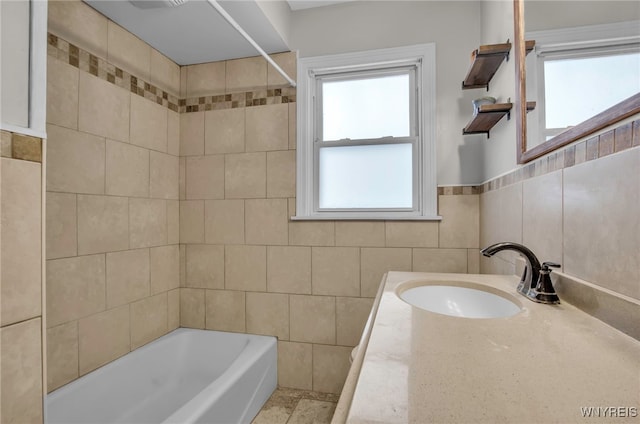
<point>364,217</point>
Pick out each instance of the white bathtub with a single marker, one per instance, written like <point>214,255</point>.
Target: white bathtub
<point>186,376</point>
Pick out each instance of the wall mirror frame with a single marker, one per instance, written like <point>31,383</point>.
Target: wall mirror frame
<point>616,113</point>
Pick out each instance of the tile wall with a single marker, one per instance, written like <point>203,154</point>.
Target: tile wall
<point>247,267</point>
<point>21,350</point>
<point>161,176</point>
<point>578,207</point>
<point>112,192</point>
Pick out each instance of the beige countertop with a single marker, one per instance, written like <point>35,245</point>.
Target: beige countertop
<point>541,365</point>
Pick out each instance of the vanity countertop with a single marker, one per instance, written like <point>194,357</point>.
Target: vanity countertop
<point>541,365</point>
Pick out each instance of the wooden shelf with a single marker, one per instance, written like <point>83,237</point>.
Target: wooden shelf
<point>484,63</point>
<point>486,118</point>
<point>486,60</point>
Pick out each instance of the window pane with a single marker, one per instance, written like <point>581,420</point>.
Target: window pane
<point>577,89</point>
<point>366,108</point>
<point>372,176</point>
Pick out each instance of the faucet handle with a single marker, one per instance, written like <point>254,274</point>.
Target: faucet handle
<point>546,265</point>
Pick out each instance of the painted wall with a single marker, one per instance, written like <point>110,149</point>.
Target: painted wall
<point>453,26</point>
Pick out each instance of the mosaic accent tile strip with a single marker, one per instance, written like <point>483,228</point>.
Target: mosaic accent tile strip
<point>621,138</point>
<point>85,61</point>
<point>236,100</point>
<point>458,190</point>
<point>20,147</point>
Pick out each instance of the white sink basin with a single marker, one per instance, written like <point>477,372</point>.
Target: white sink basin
<point>460,301</point>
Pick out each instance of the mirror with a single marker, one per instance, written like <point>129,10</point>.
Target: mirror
<point>551,21</point>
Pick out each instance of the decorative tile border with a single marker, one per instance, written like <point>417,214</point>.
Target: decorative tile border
<point>621,138</point>
<point>85,61</point>
<point>458,190</point>
<point>20,147</point>
<point>236,100</point>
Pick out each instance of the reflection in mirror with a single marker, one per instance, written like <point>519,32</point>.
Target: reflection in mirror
<point>584,73</point>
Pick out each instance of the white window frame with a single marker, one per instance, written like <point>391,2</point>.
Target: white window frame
<point>424,153</point>
<point>564,43</point>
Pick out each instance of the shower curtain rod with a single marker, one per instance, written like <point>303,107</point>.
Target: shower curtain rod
<point>242,32</point>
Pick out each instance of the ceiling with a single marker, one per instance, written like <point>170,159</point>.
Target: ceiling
<point>194,32</point>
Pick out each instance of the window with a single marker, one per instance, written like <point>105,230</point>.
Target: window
<point>366,135</point>
<point>580,72</point>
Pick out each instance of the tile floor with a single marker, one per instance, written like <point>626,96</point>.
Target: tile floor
<point>291,406</point>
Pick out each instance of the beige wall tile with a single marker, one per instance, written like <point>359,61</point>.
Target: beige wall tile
<point>103,337</point>
<point>473,261</point>
<point>128,52</point>
<point>62,355</point>
<point>20,254</point>
<point>173,222</point>
<point>205,177</point>
<point>62,93</point>
<point>192,308</point>
<point>440,260</point>
<point>103,224</point>
<point>335,271</point>
<point>311,233</point>
<point>78,23</point>
<point>75,161</point>
<point>192,134</point>
<point>281,174</point>
<point>360,233</point>
<point>148,124</point>
<point>164,175</point>
<point>542,213</point>
<point>183,265</point>
<point>225,310</point>
<point>192,221</point>
<point>205,79</point>
<point>267,128</point>
<point>377,262</point>
<point>173,133</point>
<point>147,222</point>
<point>127,277</point>
<point>183,81</point>
<point>76,287</point>
<point>289,269</point>
<point>127,170</point>
<point>103,108</point>
<point>165,73</point>
<point>245,175</point>
<point>330,367</point>
<point>460,225</point>
<point>295,365</point>
<point>351,316</point>
<point>173,299</point>
<point>286,61</point>
<point>182,179</point>
<point>268,314</point>
<point>602,224</point>
<point>148,319</point>
<point>224,221</point>
<point>411,234</point>
<point>205,266</point>
<point>501,218</point>
<point>224,131</point>
<point>21,372</point>
<point>164,268</point>
<point>245,268</point>
<point>62,237</point>
<point>313,319</point>
<point>266,221</point>
<point>246,73</point>
<point>292,125</point>
<point>5,144</point>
